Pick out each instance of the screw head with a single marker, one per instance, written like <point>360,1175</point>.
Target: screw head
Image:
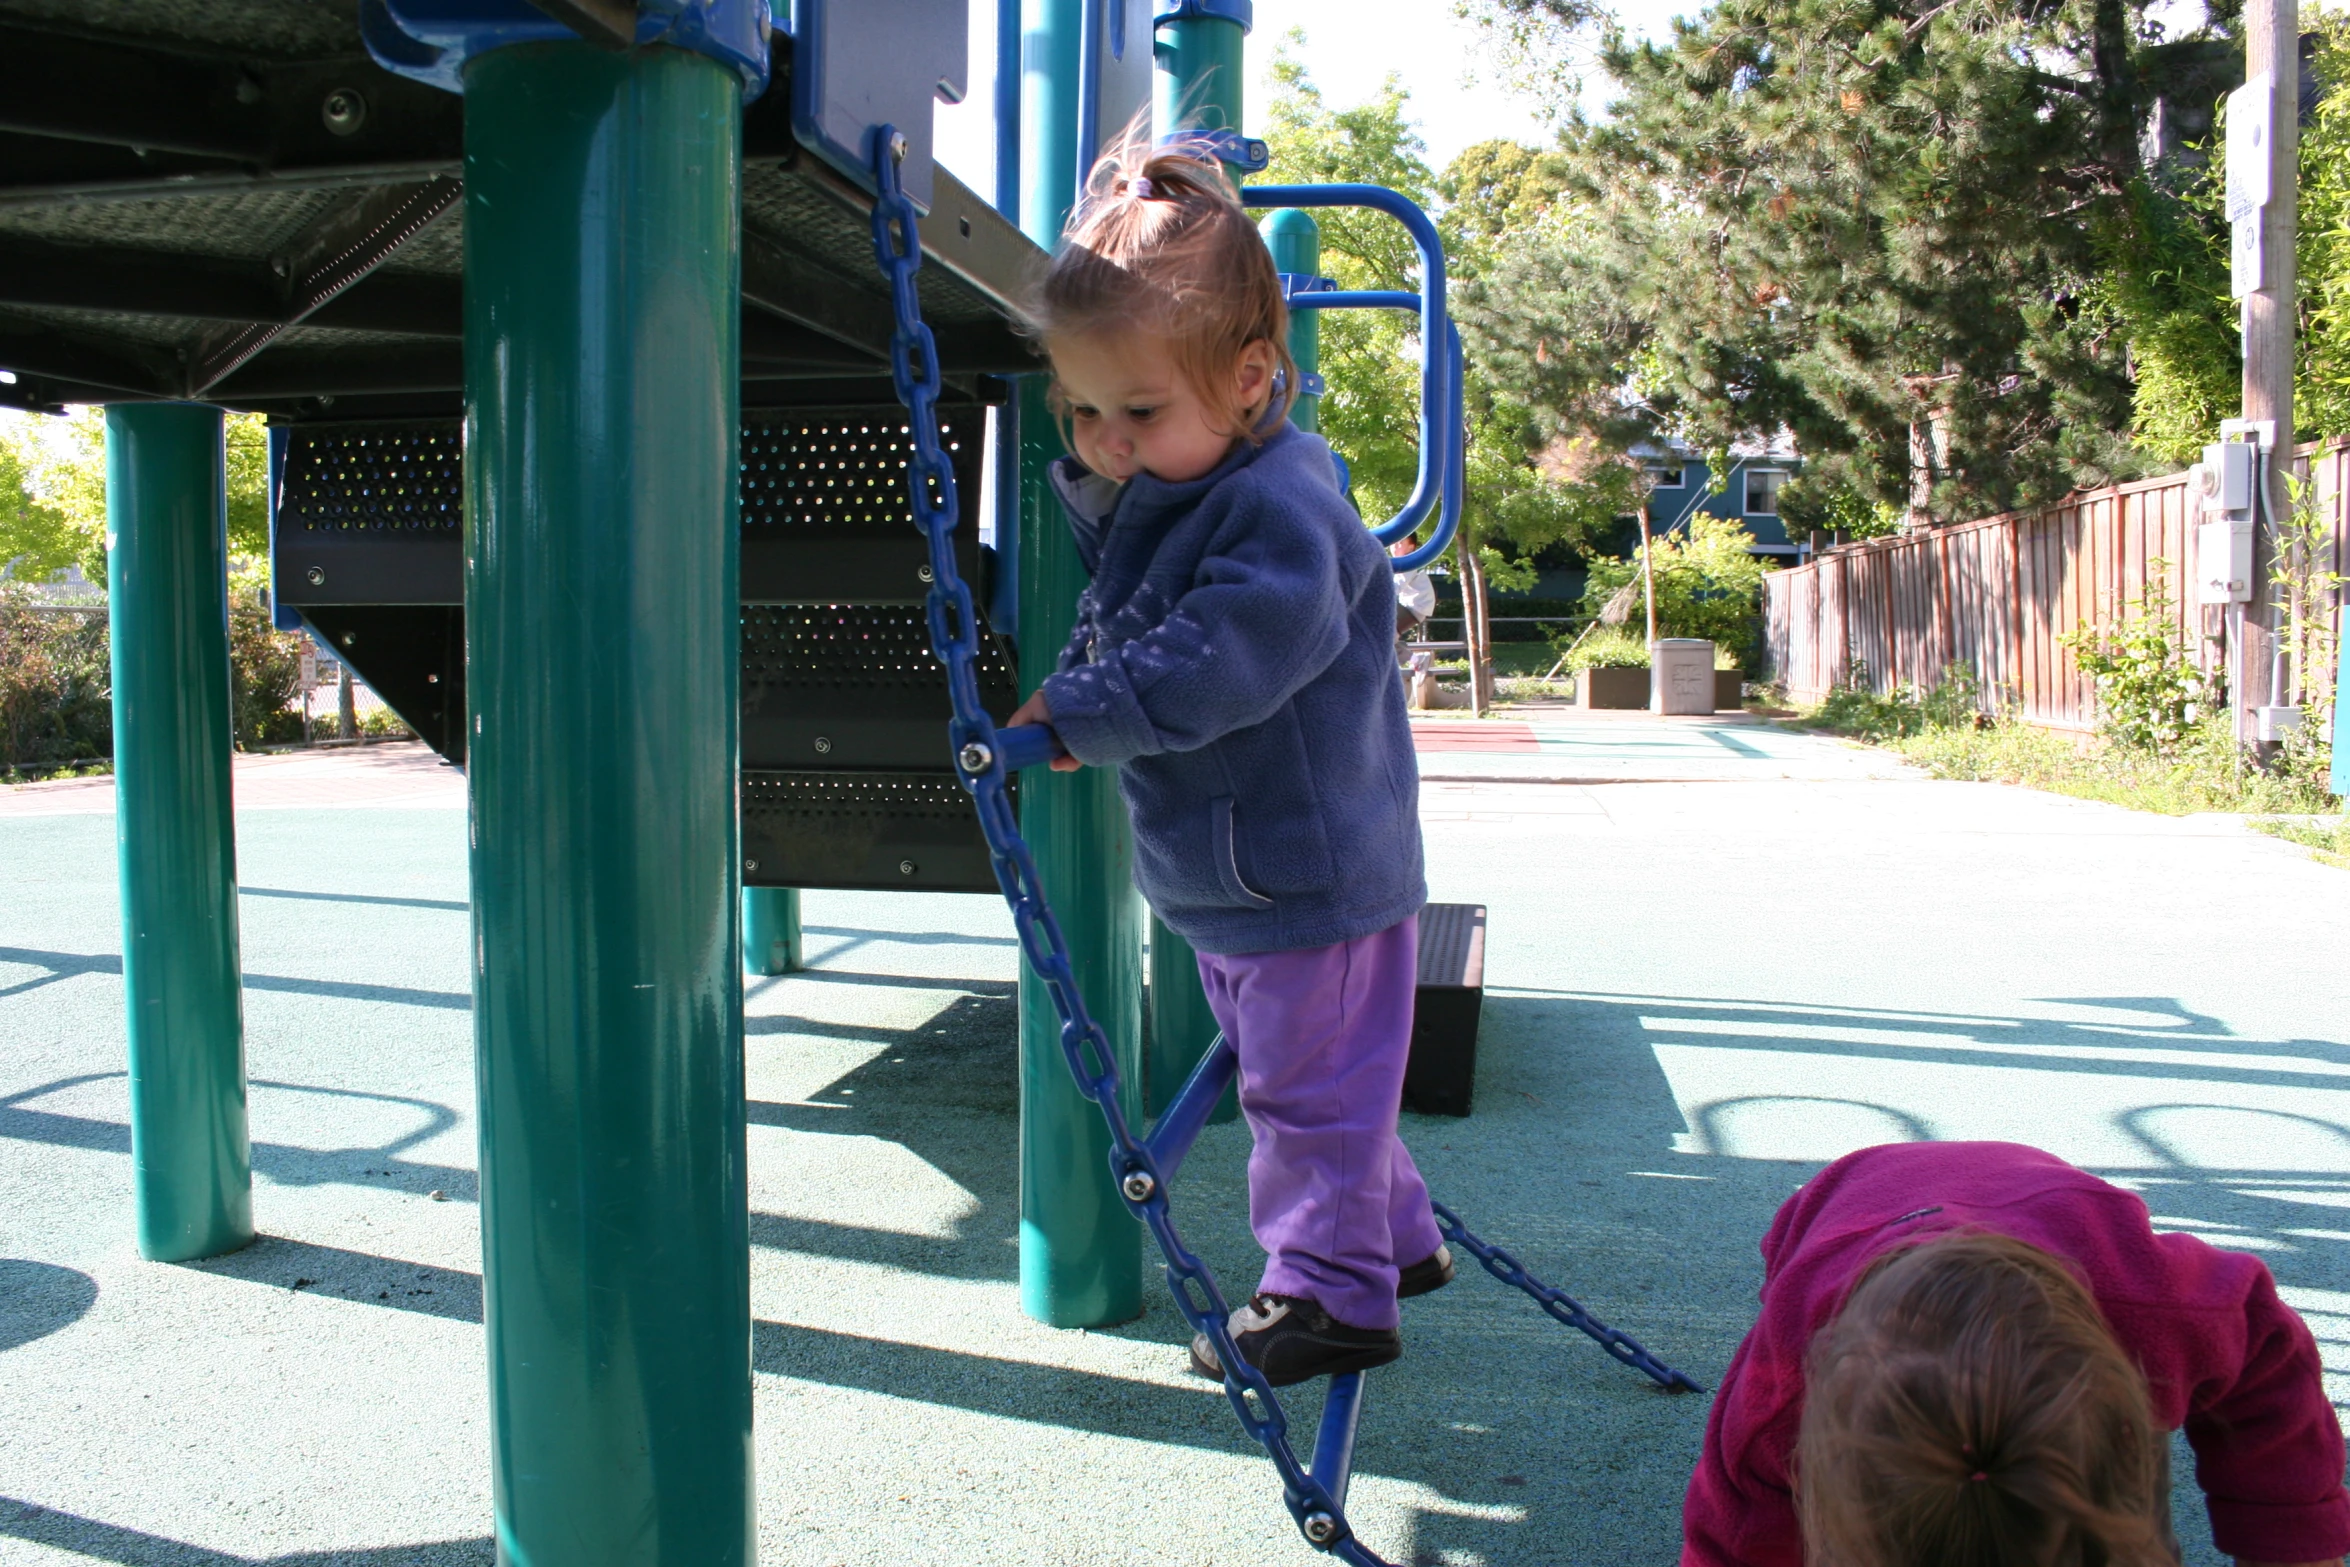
<point>905,867</point>
<point>316,576</point>
<point>349,637</point>
<point>750,867</point>
<point>344,111</point>
<point>1138,1186</point>
<point>823,745</point>
<point>925,573</point>
<point>975,757</point>
<point>1321,1528</point>
<point>897,146</point>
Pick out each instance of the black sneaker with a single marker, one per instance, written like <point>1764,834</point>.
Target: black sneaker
<point>1430,1274</point>
<point>1291,1339</point>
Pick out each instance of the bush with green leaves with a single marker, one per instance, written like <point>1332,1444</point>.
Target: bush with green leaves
<point>1708,584</point>
<point>2149,692</point>
<point>1606,647</point>
<point>56,689</point>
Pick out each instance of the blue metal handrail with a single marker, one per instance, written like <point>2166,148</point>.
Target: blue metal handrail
<point>1435,360</point>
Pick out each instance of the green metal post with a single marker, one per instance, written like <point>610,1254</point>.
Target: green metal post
<point>167,616</point>
<point>602,381</point>
<point>1080,1252</point>
<point>1296,242</point>
<point>771,930</point>
<point>1199,79</point>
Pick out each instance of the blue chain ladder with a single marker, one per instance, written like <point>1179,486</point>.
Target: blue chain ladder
<point>1141,1167</point>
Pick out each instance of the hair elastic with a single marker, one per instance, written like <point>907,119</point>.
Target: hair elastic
<point>1140,187</point>
<point>1978,1475</point>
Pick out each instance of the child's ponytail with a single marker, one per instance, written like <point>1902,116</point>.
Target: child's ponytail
<point>1969,1407</point>
<point>1160,243</point>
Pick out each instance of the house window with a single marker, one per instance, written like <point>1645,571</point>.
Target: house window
<point>1762,492</point>
<point>1665,478</point>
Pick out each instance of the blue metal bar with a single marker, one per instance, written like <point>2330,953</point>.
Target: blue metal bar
<point>1355,299</point>
<point>1008,67</point>
<point>1434,362</point>
<point>1334,1443</point>
<point>1168,1142</point>
<point>1456,466</point>
<point>1089,91</point>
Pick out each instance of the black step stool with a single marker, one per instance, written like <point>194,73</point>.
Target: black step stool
<point>1443,1067</point>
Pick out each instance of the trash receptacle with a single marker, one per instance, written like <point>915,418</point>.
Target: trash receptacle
<point>1684,675</point>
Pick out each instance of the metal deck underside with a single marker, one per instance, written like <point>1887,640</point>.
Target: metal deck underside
<point>231,202</point>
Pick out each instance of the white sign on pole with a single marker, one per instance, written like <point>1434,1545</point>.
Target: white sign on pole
<point>2248,128</point>
<point>2245,257</point>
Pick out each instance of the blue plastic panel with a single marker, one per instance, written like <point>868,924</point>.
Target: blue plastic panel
<point>860,64</point>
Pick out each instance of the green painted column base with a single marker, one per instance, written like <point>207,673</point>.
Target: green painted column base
<point>167,613</point>
<point>771,930</point>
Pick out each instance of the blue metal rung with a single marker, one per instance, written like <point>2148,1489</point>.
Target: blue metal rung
<point>1179,1125</point>
<point>1334,1444</point>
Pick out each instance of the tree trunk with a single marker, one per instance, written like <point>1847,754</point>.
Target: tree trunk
<point>1476,631</point>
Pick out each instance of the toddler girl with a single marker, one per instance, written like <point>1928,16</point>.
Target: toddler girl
<point>1970,1355</point>
<point>1234,659</point>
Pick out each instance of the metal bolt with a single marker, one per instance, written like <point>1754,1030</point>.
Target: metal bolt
<point>750,867</point>
<point>1138,1186</point>
<point>432,680</point>
<point>975,758</point>
<point>924,573</point>
<point>905,867</point>
<point>1321,1528</point>
<point>897,146</point>
<point>344,111</point>
<point>350,637</point>
<point>248,90</point>
<point>317,576</point>
<point>823,746</point>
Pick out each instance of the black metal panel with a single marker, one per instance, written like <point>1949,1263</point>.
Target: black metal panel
<point>372,514</point>
<point>411,655</point>
<point>852,686</point>
<point>862,830</point>
<point>825,518</point>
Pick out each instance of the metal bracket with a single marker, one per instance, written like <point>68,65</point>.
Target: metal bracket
<point>1245,153</point>
<point>1242,11</point>
<point>2262,430</point>
<point>872,63</point>
<point>430,41</point>
<point>1296,283</point>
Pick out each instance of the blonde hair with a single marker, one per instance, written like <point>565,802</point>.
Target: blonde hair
<point>1969,1407</point>
<point>1160,243</point>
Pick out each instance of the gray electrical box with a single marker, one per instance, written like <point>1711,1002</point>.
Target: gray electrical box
<point>2223,489</point>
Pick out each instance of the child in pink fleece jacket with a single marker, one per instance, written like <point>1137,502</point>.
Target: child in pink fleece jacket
<point>1971,1353</point>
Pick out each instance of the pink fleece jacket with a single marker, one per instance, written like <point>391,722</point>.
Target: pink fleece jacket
<point>2222,1355</point>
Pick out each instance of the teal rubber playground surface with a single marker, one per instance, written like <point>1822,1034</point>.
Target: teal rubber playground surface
<point>1719,956</point>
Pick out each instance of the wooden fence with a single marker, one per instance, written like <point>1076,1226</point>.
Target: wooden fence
<point>1997,595</point>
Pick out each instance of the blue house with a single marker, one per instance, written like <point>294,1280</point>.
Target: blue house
<point>1750,496</point>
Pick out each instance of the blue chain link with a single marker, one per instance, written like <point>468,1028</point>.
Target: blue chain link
<point>954,638</point>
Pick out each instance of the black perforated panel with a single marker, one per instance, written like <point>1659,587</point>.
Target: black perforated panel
<point>375,478</point>
<point>862,829</point>
<point>842,470</point>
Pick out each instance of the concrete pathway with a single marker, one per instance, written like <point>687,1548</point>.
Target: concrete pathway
<point>1702,989</point>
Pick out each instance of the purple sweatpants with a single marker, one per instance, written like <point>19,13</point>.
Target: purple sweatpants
<point>1322,1034</point>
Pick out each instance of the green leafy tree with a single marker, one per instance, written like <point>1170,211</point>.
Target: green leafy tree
<point>1708,583</point>
<point>53,492</point>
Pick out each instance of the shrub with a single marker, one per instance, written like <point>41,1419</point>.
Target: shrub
<point>1708,584</point>
<point>1607,647</point>
<point>265,669</point>
<point>2148,691</point>
<point>56,691</point>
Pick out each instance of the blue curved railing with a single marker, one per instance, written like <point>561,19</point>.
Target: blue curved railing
<point>1443,463</point>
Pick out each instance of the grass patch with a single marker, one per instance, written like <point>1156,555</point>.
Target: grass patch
<point>2203,771</point>
<point>2328,840</point>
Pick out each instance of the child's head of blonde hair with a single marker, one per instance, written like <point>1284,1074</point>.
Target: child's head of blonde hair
<point>1160,245</point>
<point>1969,1407</point>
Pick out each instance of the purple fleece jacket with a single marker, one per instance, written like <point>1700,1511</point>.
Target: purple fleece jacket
<point>2223,1356</point>
<point>1234,659</point>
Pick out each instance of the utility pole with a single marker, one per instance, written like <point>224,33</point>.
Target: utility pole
<point>2272,48</point>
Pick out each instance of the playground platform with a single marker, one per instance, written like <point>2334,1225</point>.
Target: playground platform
<point>1719,954</point>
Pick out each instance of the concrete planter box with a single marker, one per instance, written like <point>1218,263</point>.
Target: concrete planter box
<point>1611,688</point>
<point>1729,693</point>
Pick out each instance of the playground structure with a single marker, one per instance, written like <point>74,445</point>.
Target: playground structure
<point>578,358</point>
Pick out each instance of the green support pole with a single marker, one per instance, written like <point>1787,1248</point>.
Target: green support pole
<point>1296,242</point>
<point>167,618</point>
<point>771,930</point>
<point>602,623</point>
<point>1080,1252</point>
<point>1198,80</point>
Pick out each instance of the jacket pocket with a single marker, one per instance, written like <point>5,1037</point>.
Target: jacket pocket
<point>1226,855</point>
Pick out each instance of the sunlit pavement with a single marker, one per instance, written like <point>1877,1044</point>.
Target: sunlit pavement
<point>1701,990</point>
